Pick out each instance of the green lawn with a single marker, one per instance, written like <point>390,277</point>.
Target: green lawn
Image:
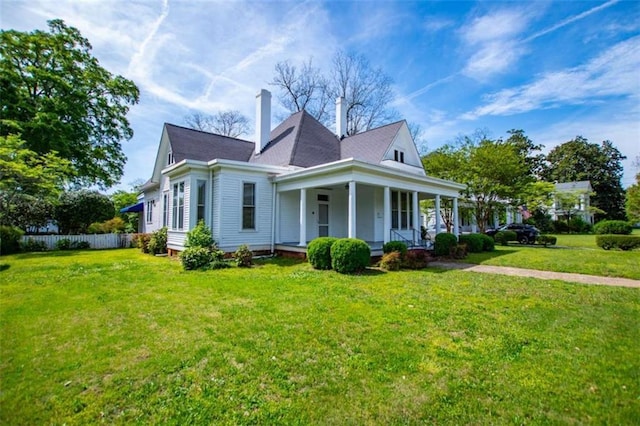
<point>573,253</point>
<point>121,337</point>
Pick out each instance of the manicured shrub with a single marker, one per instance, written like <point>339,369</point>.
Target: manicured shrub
<point>200,236</point>
<point>622,242</point>
<point>319,252</point>
<point>618,227</point>
<point>32,245</point>
<point>474,242</point>
<point>10,239</point>
<point>547,240</point>
<point>63,244</point>
<point>443,243</point>
<point>459,251</point>
<point>196,258</point>
<point>488,243</point>
<point>158,241</point>
<point>81,245</point>
<point>503,237</point>
<point>560,227</point>
<point>578,225</point>
<point>398,246</point>
<point>349,255</point>
<point>243,256</point>
<point>143,242</point>
<point>415,259</point>
<point>391,261</point>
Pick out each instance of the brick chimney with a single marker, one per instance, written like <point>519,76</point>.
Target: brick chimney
<point>263,119</point>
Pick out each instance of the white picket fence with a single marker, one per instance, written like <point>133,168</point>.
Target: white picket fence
<point>96,241</point>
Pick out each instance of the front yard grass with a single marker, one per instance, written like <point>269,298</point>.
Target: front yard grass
<point>573,253</point>
<point>120,337</point>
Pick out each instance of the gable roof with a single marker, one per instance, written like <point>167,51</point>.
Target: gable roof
<point>582,185</point>
<point>370,146</point>
<point>203,146</point>
<point>301,141</point>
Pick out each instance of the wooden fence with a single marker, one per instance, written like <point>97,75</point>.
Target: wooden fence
<point>96,241</point>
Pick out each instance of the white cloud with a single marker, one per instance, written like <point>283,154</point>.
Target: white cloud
<point>612,73</point>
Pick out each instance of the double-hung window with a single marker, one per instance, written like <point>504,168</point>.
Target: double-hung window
<point>165,209</point>
<point>248,205</point>
<point>202,196</point>
<point>401,210</point>
<point>177,221</point>
<point>150,211</point>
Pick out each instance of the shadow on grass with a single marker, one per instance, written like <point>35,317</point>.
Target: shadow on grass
<point>4,266</point>
<point>56,253</point>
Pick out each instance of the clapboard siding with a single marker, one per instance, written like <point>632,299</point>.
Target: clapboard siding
<point>289,212</point>
<point>96,241</point>
<point>231,235</point>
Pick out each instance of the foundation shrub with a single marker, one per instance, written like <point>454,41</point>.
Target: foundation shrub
<point>443,243</point>
<point>158,241</point>
<point>546,240</point>
<point>200,236</point>
<point>142,241</point>
<point>243,256</point>
<point>415,259</point>
<point>398,246</point>
<point>459,251</point>
<point>474,242</point>
<point>349,255</point>
<point>391,261</point>
<point>319,252</point>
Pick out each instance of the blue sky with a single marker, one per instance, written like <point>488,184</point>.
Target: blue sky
<point>555,69</point>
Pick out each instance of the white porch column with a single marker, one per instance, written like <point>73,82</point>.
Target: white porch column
<point>303,217</point>
<point>456,225</point>
<point>277,219</point>
<point>416,213</point>
<point>438,215</point>
<point>387,214</point>
<point>352,209</point>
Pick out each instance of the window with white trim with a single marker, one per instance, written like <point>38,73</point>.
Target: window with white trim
<point>170,158</point>
<point>401,210</point>
<point>248,205</point>
<point>165,209</point>
<point>177,221</point>
<point>149,211</point>
<point>201,199</point>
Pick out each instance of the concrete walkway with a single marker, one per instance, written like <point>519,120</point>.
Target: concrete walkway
<point>545,275</point>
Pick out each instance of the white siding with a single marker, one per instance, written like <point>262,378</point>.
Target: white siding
<point>231,233</point>
<point>289,216</point>
<point>216,205</point>
<point>176,239</point>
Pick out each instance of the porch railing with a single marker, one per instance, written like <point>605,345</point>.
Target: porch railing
<point>416,239</point>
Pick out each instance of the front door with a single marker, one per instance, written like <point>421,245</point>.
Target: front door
<point>323,215</point>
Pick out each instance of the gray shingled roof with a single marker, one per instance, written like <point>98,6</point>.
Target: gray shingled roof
<point>203,146</point>
<point>582,185</point>
<point>300,141</point>
<point>370,146</point>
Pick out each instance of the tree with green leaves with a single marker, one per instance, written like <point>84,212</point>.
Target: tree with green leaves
<point>579,160</point>
<point>29,183</point>
<point>121,199</point>
<point>76,210</point>
<point>55,95</point>
<point>632,199</point>
<point>495,172</point>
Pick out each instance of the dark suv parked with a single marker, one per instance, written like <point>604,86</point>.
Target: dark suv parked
<point>527,234</point>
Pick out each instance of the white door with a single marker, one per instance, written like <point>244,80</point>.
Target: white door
<point>323,215</point>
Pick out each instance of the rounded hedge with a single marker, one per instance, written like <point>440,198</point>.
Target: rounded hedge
<point>503,237</point>
<point>622,242</point>
<point>350,255</point>
<point>474,242</point>
<point>488,243</point>
<point>444,243</point>
<point>319,252</point>
<point>398,246</point>
<point>617,227</point>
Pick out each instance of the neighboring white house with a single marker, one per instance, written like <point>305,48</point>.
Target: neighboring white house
<point>580,195</point>
<point>296,182</point>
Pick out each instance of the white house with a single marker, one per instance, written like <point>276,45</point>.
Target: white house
<point>296,182</point>
<point>579,195</point>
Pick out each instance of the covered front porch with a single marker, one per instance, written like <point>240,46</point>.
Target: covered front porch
<point>355,200</point>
